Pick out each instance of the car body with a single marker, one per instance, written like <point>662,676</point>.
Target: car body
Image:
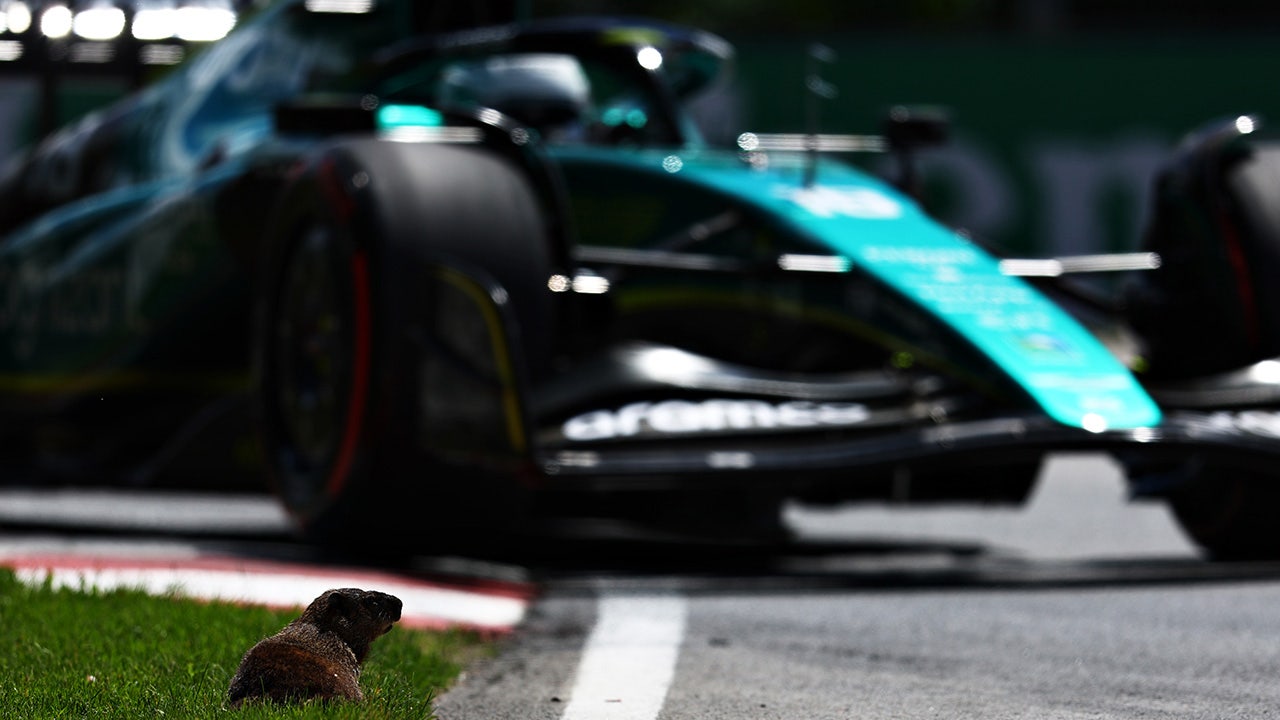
<point>440,283</point>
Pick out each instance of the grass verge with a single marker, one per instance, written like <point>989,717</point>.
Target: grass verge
<point>121,653</point>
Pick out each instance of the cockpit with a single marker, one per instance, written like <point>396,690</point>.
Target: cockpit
<point>573,85</point>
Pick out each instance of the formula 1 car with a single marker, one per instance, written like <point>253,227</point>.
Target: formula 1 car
<point>439,283</point>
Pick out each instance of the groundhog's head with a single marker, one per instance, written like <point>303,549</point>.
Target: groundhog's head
<point>357,616</point>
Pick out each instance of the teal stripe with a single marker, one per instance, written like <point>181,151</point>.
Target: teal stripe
<point>1066,370</point>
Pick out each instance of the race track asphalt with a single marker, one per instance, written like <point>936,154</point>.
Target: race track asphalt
<point>1080,605</point>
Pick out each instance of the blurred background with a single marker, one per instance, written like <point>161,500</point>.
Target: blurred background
<point>1061,109</point>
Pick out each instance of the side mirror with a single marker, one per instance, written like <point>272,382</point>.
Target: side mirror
<point>907,129</point>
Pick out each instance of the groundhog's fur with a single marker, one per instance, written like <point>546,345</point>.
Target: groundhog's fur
<point>319,654</point>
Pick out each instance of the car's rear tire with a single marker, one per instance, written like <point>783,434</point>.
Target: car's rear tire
<point>380,264</point>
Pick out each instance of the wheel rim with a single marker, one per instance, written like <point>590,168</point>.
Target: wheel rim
<point>312,363</point>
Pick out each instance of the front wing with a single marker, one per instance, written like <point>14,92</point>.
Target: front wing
<point>1155,456</point>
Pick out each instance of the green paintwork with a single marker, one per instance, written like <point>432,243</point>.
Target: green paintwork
<point>1068,372</point>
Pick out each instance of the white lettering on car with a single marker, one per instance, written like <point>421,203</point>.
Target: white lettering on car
<point>855,202</point>
<point>686,417</point>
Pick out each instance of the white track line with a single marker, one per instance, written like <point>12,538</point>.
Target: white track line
<point>629,659</point>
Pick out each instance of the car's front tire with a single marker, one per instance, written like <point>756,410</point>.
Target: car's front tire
<point>394,277</point>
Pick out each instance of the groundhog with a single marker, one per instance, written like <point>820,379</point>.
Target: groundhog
<point>318,655</point>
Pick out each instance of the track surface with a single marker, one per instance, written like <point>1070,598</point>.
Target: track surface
<point>1080,605</point>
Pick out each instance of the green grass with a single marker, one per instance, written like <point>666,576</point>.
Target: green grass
<point>115,654</point>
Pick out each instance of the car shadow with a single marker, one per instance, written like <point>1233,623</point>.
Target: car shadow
<point>599,557</point>
<point>869,564</point>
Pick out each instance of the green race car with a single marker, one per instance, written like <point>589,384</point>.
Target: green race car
<point>471,284</point>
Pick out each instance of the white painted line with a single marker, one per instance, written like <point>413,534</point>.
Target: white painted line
<point>629,659</point>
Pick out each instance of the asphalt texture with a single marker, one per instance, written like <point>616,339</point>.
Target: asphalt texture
<point>1081,605</point>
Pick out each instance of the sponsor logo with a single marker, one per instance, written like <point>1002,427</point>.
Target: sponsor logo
<point>923,257</point>
<point>829,202</point>
<point>1046,345</point>
<point>684,417</point>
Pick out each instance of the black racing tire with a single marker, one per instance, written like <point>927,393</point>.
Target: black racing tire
<point>1233,517</point>
<point>1253,187</point>
<point>380,261</point>
<point>1212,305</point>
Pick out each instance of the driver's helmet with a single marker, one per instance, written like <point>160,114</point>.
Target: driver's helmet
<point>545,91</point>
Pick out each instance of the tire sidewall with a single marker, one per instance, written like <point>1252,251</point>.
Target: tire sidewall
<point>401,214</point>
<point>315,199</point>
